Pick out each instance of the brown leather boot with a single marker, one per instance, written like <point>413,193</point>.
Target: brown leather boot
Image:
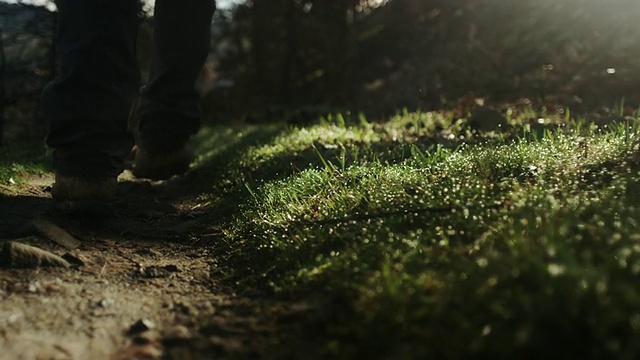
<point>81,195</point>
<point>159,166</point>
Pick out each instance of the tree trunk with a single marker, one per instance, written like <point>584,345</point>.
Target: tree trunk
<point>259,51</point>
<point>2,81</point>
<point>289,52</point>
<point>336,27</point>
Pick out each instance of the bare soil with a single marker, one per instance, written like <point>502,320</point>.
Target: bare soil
<point>143,284</point>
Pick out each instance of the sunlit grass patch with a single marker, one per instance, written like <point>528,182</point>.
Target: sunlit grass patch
<point>345,141</point>
<point>20,160</point>
<point>327,136</point>
<point>477,250</point>
<point>298,147</point>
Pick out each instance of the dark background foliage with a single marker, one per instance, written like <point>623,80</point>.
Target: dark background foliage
<point>378,56</point>
<point>419,54</point>
<point>26,64</point>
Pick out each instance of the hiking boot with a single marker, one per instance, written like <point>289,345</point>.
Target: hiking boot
<point>160,166</point>
<point>80,195</point>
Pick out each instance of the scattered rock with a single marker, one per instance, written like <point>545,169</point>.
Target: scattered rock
<point>34,287</point>
<point>154,272</point>
<point>140,326</point>
<point>20,255</point>
<point>105,302</point>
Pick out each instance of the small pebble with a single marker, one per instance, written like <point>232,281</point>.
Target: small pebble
<point>140,326</point>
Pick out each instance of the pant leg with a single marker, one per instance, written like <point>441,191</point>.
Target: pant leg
<point>88,103</point>
<point>169,111</point>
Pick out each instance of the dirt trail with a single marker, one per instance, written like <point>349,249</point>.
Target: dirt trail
<point>144,288</point>
<point>85,312</point>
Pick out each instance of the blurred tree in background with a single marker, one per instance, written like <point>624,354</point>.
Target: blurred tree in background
<point>376,56</point>
<point>382,56</point>
<point>26,65</point>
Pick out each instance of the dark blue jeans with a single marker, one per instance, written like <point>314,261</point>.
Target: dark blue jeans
<point>88,104</point>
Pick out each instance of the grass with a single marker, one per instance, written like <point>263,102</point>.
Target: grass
<point>22,159</point>
<point>419,238</point>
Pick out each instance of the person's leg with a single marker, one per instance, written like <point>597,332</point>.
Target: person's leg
<point>169,112</point>
<point>88,103</point>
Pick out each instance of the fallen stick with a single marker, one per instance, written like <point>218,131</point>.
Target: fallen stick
<point>18,255</point>
<point>55,233</point>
